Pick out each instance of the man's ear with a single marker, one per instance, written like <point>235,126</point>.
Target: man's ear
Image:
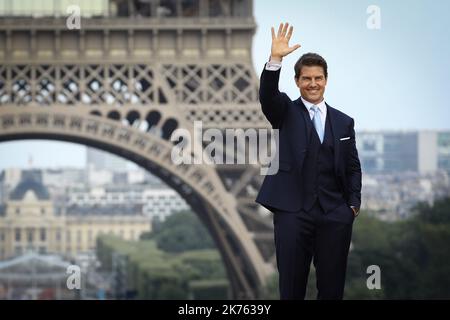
<point>296,81</point>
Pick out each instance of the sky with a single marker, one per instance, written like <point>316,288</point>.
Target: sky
<point>396,78</point>
<point>393,78</point>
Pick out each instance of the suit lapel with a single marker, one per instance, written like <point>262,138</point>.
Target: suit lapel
<point>302,109</point>
<point>334,128</point>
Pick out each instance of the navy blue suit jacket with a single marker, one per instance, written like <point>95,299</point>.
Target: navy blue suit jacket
<point>282,191</point>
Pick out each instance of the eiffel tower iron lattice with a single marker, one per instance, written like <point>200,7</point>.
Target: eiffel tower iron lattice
<point>124,82</point>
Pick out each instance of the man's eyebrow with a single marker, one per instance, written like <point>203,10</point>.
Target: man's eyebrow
<point>308,77</point>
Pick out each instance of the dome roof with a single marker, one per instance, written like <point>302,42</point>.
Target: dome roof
<point>29,183</point>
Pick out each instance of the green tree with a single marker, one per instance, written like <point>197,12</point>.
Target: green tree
<point>181,232</point>
<point>413,255</point>
<point>156,274</point>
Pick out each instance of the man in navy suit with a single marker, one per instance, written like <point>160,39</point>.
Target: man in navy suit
<point>316,193</point>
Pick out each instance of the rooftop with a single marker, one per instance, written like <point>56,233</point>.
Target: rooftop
<point>29,183</point>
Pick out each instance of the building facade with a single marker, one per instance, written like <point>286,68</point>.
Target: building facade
<point>29,222</point>
<point>154,202</point>
<point>404,151</point>
<point>101,160</point>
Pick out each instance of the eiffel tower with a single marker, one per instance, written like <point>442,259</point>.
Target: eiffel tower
<point>133,72</point>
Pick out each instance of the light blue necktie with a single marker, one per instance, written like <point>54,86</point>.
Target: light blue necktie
<point>317,122</point>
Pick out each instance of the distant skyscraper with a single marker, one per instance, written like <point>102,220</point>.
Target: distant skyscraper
<point>388,151</point>
<point>443,150</point>
<point>400,151</point>
<point>100,160</point>
<point>428,151</point>
<point>415,151</point>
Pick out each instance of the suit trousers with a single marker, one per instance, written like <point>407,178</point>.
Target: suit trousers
<point>304,236</point>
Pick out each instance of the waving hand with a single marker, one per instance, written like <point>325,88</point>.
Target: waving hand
<point>280,42</point>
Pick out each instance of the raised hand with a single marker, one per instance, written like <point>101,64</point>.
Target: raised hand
<point>280,42</point>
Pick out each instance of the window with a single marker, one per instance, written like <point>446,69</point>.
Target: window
<point>18,235</point>
<point>30,235</point>
<point>369,146</point>
<point>369,164</point>
<point>43,234</point>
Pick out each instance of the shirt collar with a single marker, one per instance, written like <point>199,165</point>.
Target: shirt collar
<point>322,106</point>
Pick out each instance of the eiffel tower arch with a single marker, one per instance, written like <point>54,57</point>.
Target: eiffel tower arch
<point>132,74</point>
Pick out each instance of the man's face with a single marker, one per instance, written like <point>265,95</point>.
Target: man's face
<point>312,83</point>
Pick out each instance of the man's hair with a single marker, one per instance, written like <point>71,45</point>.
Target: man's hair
<point>310,59</point>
